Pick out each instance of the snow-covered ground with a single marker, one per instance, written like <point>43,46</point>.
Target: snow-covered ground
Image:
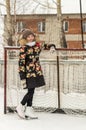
<point>48,99</point>
<point>46,121</point>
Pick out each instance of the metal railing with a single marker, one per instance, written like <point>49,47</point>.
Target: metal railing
<point>65,73</point>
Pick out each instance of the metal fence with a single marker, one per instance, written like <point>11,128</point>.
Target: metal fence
<point>65,76</point>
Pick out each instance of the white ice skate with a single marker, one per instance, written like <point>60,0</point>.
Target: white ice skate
<point>29,113</point>
<point>20,110</point>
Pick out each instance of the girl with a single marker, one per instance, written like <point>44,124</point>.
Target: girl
<point>30,72</point>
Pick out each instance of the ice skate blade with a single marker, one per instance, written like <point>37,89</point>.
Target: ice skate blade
<point>21,117</point>
<point>30,118</point>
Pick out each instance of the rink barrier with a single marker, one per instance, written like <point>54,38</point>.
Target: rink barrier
<point>64,56</point>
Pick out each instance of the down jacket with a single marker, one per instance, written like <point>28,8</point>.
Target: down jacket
<point>29,66</point>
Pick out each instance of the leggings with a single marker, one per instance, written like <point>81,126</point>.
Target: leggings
<point>28,98</point>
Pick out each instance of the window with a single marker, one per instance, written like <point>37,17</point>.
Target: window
<point>85,45</point>
<point>41,27</point>
<point>65,26</point>
<point>20,26</point>
<point>84,26</point>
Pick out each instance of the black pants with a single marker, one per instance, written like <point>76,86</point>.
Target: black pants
<point>28,98</point>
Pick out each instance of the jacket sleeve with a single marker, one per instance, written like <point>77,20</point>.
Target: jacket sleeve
<point>48,46</point>
<point>51,45</point>
<point>43,46</point>
<point>22,66</point>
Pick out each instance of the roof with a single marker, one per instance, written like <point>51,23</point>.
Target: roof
<point>45,6</point>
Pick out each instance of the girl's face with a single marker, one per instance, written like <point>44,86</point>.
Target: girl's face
<point>30,38</point>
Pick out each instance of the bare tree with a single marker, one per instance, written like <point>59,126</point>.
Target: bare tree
<point>9,23</point>
<point>62,40</point>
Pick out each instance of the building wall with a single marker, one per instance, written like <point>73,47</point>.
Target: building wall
<point>51,35</point>
<point>74,26</point>
<point>73,35</point>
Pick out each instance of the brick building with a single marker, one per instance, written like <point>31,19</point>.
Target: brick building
<point>47,30</point>
<point>45,26</point>
<point>72,29</point>
<point>43,21</point>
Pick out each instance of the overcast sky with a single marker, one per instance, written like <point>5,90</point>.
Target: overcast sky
<point>73,6</point>
<point>68,6</point>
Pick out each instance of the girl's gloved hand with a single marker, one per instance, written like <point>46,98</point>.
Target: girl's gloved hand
<point>52,49</point>
<point>23,83</point>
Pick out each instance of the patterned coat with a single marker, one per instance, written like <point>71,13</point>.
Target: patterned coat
<point>29,66</point>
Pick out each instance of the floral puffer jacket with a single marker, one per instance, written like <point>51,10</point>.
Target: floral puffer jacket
<point>29,65</point>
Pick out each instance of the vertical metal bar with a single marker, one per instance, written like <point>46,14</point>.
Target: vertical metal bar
<point>58,82</point>
<point>5,78</point>
<point>58,110</point>
<point>81,24</point>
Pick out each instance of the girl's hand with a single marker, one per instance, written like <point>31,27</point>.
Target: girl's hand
<point>52,49</point>
<point>23,83</point>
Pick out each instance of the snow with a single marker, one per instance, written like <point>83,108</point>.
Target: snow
<point>73,100</point>
<point>49,99</point>
<point>46,120</point>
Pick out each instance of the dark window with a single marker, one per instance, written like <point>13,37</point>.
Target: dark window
<point>41,27</point>
<point>65,26</point>
<point>84,26</point>
<point>20,26</point>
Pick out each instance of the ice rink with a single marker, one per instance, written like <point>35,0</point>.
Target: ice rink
<point>46,121</point>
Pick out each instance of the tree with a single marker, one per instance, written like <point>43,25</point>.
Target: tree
<point>8,24</point>
<point>62,40</point>
<point>22,6</point>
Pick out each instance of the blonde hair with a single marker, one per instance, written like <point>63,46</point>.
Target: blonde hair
<point>22,42</point>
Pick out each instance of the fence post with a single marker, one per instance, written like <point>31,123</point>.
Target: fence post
<point>5,79</point>
<point>58,110</point>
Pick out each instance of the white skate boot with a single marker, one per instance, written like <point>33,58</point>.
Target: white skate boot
<point>29,113</point>
<point>20,110</point>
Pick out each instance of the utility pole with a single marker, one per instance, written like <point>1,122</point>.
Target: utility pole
<point>81,23</point>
